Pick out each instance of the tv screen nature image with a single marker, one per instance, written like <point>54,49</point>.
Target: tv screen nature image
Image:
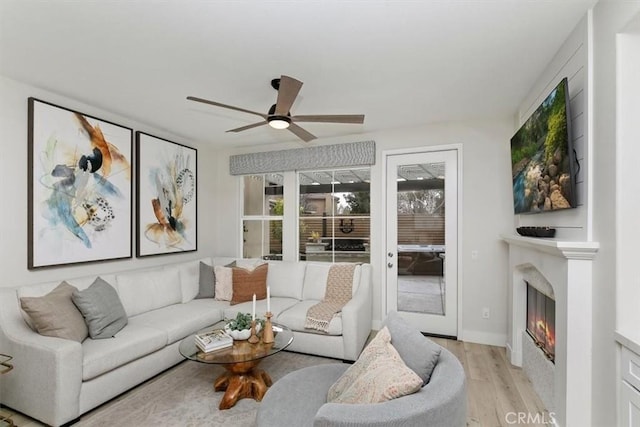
<point>542,157</point>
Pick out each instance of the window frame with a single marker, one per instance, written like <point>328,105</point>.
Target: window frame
<point>291,243</point>
<point>265,217</point>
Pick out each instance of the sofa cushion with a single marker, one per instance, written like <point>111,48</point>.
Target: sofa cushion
<point>418,352</point>
<point>206,281</point>
<point>285,279</point>
<point>247,283</point>
<point>247,263</point>
<point>143,291</point>
<point>378,375</point>
<point>180,320</point>
<point>295,317</point>
<point>101,308</point>
<point>190,276</point>
<point>131,343</point>
<point>315,280</point>
<point>55,315</point>
<point>278,305</point>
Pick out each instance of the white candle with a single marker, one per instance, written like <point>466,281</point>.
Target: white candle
<point>253,312</point>
<point>268,299</point>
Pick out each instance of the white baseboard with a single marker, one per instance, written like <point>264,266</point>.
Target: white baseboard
<point>487,338</point>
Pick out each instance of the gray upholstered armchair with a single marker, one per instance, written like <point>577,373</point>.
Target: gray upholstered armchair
<point>300,399</point>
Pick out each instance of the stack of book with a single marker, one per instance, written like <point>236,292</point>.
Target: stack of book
<point>213,340</point>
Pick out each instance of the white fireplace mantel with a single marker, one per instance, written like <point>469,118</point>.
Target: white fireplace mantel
<point>569,250</point>
<point>567,266</point>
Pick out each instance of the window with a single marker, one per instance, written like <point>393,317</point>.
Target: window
<point>334,215</point>
<point>262,217</point>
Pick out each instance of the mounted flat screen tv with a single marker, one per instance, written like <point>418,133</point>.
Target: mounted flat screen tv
<point>543,159</point>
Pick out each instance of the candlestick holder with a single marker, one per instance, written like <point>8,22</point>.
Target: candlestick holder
<point>267,334</point>
<point>253,339</point>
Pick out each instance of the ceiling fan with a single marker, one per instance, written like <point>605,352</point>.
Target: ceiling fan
<point>279,116</point>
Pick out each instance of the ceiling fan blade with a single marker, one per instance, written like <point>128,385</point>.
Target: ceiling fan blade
<point>230,107</point>
<point>301,133</point>
<point>331,118</point>
<point>251,126</point>
<point>287,93</point>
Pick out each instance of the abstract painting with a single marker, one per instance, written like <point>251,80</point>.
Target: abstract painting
<point>167,196</point>
<point>80,188</point>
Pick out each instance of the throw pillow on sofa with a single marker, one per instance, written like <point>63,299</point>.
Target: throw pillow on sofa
<point>224,283</point>
<point>418,352</point>
<point>55,315</point>
<point>246,283</point>
<point>206,281</point>
<point>378,375</point>
<point>101,308</point>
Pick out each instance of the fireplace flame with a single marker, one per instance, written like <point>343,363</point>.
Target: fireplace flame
<point>546,335</point>
<point>541,321</point>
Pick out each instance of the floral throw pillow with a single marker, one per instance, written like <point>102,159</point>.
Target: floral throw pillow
<point>378,375</point>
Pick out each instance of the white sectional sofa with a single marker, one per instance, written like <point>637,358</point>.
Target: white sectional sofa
<point>55,380</point>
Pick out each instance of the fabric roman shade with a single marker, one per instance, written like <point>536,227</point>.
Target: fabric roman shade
<point>319,157</point>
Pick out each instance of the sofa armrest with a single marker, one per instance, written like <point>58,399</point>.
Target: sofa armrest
<point>47,375</point>
<point>356,316</point>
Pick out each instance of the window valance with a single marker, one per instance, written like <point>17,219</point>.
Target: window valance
<point>325,156</point>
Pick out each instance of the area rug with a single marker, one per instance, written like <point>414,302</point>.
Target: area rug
<point>184,396</point>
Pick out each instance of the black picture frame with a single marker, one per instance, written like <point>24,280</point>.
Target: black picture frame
<point>79,187</point>
<point>166,196</point>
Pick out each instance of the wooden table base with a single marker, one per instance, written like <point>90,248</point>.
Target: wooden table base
<point>242,380</point>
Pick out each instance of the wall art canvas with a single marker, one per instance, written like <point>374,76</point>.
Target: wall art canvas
<point>167,196</point>
<point>80,188</point>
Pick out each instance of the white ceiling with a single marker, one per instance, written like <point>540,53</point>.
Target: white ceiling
<point>401,63</point>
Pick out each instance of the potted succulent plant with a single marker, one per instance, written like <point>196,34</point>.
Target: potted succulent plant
<point>240,327</point>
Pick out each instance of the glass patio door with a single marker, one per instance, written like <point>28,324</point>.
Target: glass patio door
<point>421,239</point>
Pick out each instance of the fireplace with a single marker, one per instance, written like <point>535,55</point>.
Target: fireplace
<point>563,271</point>
<point>541,321</point>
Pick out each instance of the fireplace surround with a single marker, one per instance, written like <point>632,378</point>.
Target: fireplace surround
<point>563,270</point>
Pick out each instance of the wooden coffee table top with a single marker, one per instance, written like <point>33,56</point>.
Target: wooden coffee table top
<point>241,351</point>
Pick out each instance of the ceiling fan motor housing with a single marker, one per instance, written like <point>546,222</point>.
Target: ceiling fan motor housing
<point>278,121</point>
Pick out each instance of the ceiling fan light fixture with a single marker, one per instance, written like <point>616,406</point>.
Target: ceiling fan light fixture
<point>279,122</point>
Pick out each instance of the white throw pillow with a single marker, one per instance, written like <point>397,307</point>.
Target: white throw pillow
<point>224,283</point>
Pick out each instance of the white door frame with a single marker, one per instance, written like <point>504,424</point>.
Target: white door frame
<point>383,247</point>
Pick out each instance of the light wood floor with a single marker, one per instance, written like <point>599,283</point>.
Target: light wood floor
<point>499,394</point>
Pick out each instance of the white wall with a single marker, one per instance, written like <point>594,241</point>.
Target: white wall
<point>486,213</point>
<point>627,182</point>
<point>13,211</point>
<point>609,19</point>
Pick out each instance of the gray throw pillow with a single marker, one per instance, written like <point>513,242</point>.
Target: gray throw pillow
<point>207,281</point>
<point>102,309</point>
<point>418,352</point>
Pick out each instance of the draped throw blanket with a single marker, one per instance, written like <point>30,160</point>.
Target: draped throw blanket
<point>337,293</point>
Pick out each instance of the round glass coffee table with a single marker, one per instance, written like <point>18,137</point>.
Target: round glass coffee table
<point>242,377</point>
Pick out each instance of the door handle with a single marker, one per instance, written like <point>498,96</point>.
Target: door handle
<point>390,265</point>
